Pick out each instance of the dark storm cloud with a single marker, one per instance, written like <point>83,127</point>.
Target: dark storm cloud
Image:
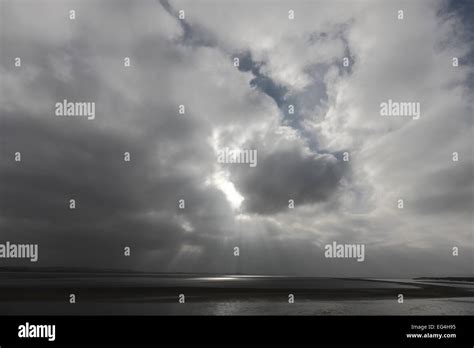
<point>287,174</point>
<point>118,203</point>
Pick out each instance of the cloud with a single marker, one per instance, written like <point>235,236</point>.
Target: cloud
<point>173,156</point>
<point>287,172</point>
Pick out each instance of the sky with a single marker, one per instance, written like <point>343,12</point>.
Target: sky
<point>173,156</point>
